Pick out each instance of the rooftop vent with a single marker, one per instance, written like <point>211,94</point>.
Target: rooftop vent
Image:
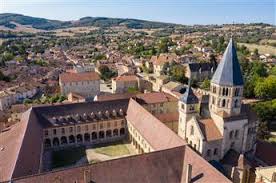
<point>107,113</point>
<point>121,112</point>
<point>114,113</point>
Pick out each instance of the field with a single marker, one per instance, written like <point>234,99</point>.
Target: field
<point>113,150</point>
<point>263,49</point>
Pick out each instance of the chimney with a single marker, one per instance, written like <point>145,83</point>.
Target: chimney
<point>188,173</point>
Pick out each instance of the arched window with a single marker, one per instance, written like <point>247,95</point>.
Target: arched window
<point>223,103</point>
<point>71,139</point>
<point>215,151</point>
<point>108,133</point>
<point>237,91</point>
<point>227,92</point>
<point>236,103</point>
<point>223,91</point>
<point>122,131</point>
<point>115,132</point>
<point>101,134</point>
<point>55,141</point>
<point>231,134</point>
<point>63,140</point>
<point>79,138</point>
<point>192,130</point>
<point>47,143</point>
<point>209,152</point>
<point>86,137</point>
<point>94,136</point>
<point>236,133</point>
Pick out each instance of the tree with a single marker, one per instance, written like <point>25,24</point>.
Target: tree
<point>106,73</point>
<point>177,73</point>
<point>266,88</point>
<point>205,84</point>
<point>263,132</point>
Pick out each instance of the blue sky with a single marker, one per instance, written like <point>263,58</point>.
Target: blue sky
<point>174,11</point>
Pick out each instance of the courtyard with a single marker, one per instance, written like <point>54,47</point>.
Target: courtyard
<point>81,155</point>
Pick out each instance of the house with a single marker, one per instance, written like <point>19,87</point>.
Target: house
<point>199,71</point>
<point>122,84</point>
<point>86,84</point>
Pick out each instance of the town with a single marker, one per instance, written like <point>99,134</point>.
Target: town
<point>105,101</point>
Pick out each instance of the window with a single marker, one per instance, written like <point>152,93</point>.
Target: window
<point>115,123</point>
<point>122,123</point>
<point>62,130</point>
<point>236,133</point>
<point>54,131</point>
<point>214,89</point>
<point>237,91</point>
<point>226,92</point>
<point>46,132</point>
<point>86,127</point>
<point>108,124</point>
<point>192,130</point>
<point>71,129</point>
<point>209,152</point>
<point>182,106</point>
<point>223,103</point>
<point>101,126</point>
<point>78,128</point>
<point>94,126</point>
<point>215,151</point>
<point>192,107</point>
<point>231,134</point>
<point>236,103</point>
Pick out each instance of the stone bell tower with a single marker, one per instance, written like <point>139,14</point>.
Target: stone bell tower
<point>227,84</point>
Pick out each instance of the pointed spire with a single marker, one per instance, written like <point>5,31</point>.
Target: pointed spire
<point>189,97</point>
<point>228,72</point>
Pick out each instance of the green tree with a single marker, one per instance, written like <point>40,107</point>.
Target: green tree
<point>266,88</point>
<point>205,84</point>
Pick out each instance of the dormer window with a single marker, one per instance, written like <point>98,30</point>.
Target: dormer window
<point>192,107</point>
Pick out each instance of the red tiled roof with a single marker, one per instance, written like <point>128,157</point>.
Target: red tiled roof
<point>146,124</point>
<point>116,96</point>
<point>21,148</point>
<point>75,77</point>
<point>161,166</point>
<point>167,117</point>
<point>153,98</point>
<point>209,130</point>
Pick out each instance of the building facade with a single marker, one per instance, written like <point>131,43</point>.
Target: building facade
<point>86,84</point>
<point>230,125</point>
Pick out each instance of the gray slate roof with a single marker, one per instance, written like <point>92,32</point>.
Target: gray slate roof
<point>189,97</point>
<point>228,72</point>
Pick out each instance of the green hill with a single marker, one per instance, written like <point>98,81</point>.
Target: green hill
<point>7,19</point>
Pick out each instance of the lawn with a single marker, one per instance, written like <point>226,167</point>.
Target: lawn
<point>113,150</point>
<point>67,157</point>
<point>263,49</point>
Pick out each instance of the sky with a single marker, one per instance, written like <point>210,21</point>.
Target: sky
<point>174,11</point>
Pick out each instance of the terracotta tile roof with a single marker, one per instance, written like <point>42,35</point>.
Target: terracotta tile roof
<point>209,129</point>
<point>266,152</point>
<point>167,117</point>
<point>153,98</point>
<point>115,96</point>
<point>75,77</point>
<point>161,166</point>
<point>21,148</point>
<point>145,123</point>
<point>162,59</point>
<point>126,78</point>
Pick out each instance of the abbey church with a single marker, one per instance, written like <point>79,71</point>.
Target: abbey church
<point>229,125</point>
